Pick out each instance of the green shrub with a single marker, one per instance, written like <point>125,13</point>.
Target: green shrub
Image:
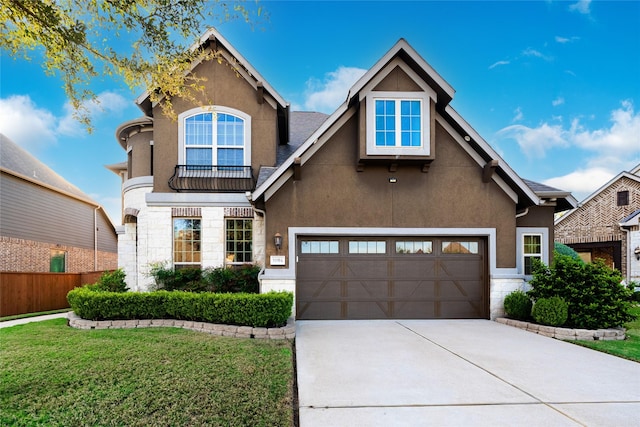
<point>517,305</point>
<point>111,281</point>
<point>222,279</point>
<point>233,279</point>
<point>550,311</point>
<point>256,310</point>
<point>593,291</point>
<point>563,249</point>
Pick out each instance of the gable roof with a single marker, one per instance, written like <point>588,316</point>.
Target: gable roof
<point>633,175</point>
<point>16,161</point>
<point>237,62</point>
<point>404,55</point>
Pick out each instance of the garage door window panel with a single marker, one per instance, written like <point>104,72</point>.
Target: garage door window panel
<point>319,247</point>
<point>367,247</point>
<point>423,247</point>
<point>459,247</point>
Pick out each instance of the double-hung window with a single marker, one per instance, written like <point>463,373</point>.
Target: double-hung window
<point>217,138</point>
<point>398,124</point>
<point>533,243</point>
<point>239,241</point>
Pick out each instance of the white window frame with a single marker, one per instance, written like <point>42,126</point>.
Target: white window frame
<point>214,109</point>
<point>521,232</point>
<point>425,146</point>
<point>233,261</point>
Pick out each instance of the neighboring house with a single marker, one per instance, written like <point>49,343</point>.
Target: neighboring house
<point>391,207</point>
<point>46,223</point>
<point>605,225</point>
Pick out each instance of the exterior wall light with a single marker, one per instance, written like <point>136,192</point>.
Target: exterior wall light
<point>277,241</point>
<point>637,252</point>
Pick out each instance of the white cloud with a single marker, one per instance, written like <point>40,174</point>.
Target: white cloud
<point>496,64</point>
<point>535,53</point>
<point>620,140</point>
<point>563,40</point>
<point>33,128</point>
<point>558,101</point>
<point>326,95</point>
<point>518,115</point>
<point>534,142</point>
<point>582,182</point>
<point>105,103</point>
<point>25,124</point>
<point>582,6</point>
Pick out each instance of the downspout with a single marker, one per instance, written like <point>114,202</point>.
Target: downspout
<point>627,243</point>
<point>264,215</point>
<point>95,239</point>
<point>521,214</point>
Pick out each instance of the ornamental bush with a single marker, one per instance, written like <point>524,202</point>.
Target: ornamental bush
<point>563,249</point>
<point>594,292</point>
<point>222,279</point>
<point>111,281</point>
<point>550,311</point>
<point>256,310</point>
<point>517,305</point>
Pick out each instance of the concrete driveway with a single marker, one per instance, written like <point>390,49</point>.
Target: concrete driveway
<point>456,373</point>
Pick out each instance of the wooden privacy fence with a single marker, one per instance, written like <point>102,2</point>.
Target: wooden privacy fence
<point>34,292</point>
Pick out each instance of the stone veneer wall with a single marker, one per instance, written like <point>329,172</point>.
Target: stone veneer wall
<point>35,257</point>
<point>285,332</point>
<point>567,333</point>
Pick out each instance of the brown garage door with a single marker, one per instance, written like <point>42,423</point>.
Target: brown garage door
<point>391,277</point>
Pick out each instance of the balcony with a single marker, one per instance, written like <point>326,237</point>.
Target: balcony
<point>214,179</point>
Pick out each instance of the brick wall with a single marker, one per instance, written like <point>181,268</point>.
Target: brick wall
<point>31,256</point>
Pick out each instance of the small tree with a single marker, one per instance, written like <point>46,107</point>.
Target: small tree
<point>594,292</point>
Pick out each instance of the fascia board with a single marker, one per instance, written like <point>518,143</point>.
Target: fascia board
<point>384,72</point>
<point>634,220</point>
<point>399,46</point>
<point>598,191</point>
<point>252,72</point>
<point>313,139</point>
<point>478,158</point>
<point>492,153</point>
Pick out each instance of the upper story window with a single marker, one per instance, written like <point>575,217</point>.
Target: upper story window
<point>398,123</point>
<point>623,198</point>
<point>218,136</point>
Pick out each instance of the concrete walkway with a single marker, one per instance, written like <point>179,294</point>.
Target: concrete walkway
<point>24,320</point>
<point>456,373</point>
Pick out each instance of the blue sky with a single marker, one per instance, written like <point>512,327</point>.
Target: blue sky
<point>553,86</point>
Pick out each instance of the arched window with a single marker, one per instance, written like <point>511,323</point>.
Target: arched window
<point>214,136</point>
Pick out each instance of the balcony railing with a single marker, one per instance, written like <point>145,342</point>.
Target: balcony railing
<point>217,178</point>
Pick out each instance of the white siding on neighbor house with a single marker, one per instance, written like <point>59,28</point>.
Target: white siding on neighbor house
<point>634,242</point>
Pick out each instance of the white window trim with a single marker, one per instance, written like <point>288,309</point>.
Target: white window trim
<point>424,149</point>
<point>173,241</point>
<point>544,242</point>
<point>215,109</point>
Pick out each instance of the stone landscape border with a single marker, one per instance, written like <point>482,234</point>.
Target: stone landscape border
<point>285,332</point>
<point>566,333</point>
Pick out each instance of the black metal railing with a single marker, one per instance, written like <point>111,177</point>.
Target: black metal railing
<point>217,178</point>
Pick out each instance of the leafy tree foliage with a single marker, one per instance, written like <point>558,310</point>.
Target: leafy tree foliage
<point>78,40</point>
<point>594,292</point>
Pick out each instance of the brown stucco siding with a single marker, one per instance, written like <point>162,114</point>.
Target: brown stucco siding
<point>224,88</point>
<point>451,195</point>
<point>140,144</point>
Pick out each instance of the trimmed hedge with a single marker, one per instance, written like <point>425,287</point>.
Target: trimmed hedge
<point>550,311</point>
<point>255,310</point>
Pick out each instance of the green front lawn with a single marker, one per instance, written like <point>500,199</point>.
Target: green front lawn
<point>629,348</point>
<point>54,375</point>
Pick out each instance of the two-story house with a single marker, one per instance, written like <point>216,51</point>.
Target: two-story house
<point>391,207</point>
